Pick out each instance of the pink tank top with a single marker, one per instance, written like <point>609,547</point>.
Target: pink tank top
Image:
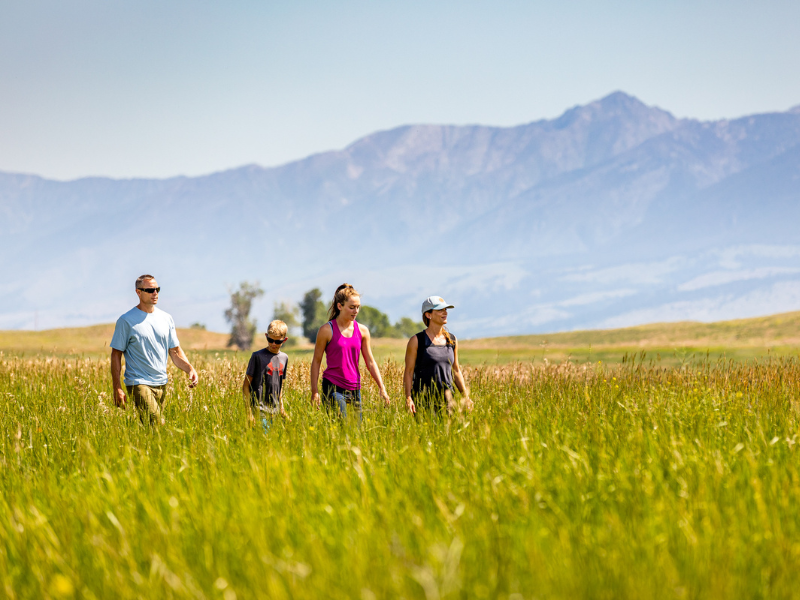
<point>342,358</point>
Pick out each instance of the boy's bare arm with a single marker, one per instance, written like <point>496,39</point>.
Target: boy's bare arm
<point>247,397</point>
<point>284,414</point>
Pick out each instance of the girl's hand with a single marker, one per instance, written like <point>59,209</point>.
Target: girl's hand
<point>385,396</point>
<point>315,401</point>
<point>410,405</point>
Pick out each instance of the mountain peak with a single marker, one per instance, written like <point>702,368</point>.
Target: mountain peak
<point>615,107</point>
<point>620,99</point>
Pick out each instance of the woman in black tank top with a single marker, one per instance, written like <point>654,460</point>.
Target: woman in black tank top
<point>432,366</point>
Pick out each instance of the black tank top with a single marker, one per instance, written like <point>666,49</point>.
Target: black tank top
<point>434,367</point>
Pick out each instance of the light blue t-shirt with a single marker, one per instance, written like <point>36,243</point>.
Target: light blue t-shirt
<point>145,339</point>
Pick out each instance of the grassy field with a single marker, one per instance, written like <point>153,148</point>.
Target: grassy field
<point>662,343</point>
<point>566,481</point>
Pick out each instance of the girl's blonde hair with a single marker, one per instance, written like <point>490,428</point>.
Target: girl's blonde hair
<point>343,293</point>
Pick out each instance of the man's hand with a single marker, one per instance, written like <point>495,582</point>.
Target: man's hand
<point>180,360</point>
<point>119,398</point>
<point>315,400</point>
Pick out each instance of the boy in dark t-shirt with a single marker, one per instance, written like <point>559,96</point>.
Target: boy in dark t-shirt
<point>263,380</point>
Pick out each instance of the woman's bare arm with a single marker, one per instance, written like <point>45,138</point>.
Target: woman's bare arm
<point>408,372</point>
<point>324,336</point>
<point>458,379</point>
<point>372,366</point>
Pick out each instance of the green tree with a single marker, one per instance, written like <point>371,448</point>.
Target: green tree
<point>288,313</point>
<point>314,313</point>
<point>243,328</point>
<point>407,327</point>
<point>380,326</point>
<point>376,321</point>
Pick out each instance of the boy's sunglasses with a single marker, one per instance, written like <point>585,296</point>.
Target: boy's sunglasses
<point>271,341</point>
<point>150,290</point>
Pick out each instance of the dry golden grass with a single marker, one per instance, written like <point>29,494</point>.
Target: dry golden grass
<point>95,340</point>
<point>781,329</point>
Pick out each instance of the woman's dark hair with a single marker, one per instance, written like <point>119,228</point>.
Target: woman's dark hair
<point>343,293</point>
<point>426,319</point>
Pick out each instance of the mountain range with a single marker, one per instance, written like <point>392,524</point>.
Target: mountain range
<point>615,213</point>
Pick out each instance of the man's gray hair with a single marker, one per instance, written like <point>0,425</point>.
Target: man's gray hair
<point>140,280</point>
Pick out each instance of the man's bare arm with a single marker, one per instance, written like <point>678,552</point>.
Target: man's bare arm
<point>116,378</point>
<point>180,360</point>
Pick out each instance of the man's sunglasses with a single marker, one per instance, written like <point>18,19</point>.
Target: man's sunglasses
<point>271,341</point>
<point>150,290</point>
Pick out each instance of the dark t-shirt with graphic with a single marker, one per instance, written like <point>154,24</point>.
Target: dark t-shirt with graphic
<point>268,371</point>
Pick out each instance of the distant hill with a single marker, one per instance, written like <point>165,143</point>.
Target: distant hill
<point>781,330</point>
<point>742,338</point>
<point>613,214</point>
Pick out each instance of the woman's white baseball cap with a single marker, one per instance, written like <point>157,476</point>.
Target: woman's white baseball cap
<point>434,303</point>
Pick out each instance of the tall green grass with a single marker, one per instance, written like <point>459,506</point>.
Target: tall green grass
<point>565,481</point>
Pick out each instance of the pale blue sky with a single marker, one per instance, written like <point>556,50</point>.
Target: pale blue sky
<point>161,88</point>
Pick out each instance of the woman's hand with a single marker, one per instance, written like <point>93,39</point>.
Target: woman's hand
<point>410,405</point>
<point>385,396</point>
<point>467,403</point>
<point>315,401</point>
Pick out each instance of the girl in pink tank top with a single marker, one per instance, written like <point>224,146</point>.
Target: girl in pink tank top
<point>342,357</point>
<point>343,340</point>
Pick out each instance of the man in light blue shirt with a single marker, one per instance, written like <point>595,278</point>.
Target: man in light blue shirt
<point>146,336</point>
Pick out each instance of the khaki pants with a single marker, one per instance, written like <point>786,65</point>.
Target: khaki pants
<point>149,401</point>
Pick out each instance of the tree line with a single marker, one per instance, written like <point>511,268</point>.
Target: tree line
<point>309,315</point>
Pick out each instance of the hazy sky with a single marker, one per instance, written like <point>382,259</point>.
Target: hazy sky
<point>161,88</point>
